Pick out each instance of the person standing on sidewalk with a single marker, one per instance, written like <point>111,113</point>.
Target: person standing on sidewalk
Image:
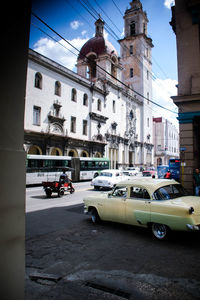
<point>196,180</point>
<point>168,175</point>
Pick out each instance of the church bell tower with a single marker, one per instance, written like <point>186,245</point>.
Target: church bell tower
<point>136,60</point>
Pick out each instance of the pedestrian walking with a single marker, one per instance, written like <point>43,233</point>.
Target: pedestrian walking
<point>196,181</point>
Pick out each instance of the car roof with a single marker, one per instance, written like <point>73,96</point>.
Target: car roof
<point>149,183</point>
<point>111,171</point>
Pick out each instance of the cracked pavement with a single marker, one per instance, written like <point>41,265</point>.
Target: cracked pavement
<point>108,261</point>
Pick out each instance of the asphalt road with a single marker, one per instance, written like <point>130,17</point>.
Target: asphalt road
<point>74,259</point>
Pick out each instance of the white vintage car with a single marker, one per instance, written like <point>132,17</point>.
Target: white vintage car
<point>160,204</point>
<point>107,179</point>
<point>132,171</point>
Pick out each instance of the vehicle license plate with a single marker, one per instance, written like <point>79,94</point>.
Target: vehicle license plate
<point>100,181</point>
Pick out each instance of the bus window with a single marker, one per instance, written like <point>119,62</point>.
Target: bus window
<point>83,165</point>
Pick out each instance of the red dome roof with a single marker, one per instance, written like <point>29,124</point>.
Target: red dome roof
<point>97,45</point>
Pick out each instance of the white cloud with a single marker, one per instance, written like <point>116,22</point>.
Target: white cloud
<point>163,89</point>
<point>169,3</point>
<point>75,24</point>
<point>60,52</point>
<point>83,32</point>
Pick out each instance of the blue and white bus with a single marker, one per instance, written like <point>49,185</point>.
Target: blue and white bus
<point>49,167</point>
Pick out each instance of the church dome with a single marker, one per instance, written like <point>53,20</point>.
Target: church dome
<point>98,44</point>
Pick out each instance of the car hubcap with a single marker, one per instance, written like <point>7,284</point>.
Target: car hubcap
<point>159,230</point>
<point>93,218</point>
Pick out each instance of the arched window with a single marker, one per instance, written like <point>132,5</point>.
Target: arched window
<point>99,104</point>
<point>132,28</point>
<point>73,153</point>
<point>131,115</point>
<point>131,72</point>
<point>144,28</point>
<point>113,67</point>
<point>38,80</point>
<point>58,88</point>
<point>91,67</point>
<point>56,151</point>
<point>73,124</point>
<point>114,106</point>
<point>74,95</point>
<point>35,150</point>
<point>98,154</point>
<point>85,99</point>
<point>84,154</point>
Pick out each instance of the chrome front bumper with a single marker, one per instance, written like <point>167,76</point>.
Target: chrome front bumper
<point>193,227</point>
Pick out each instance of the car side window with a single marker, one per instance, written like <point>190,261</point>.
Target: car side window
<point>139,193</point>
<point>120,192</point>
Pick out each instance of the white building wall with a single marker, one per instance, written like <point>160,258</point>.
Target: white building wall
<point>166,141</point>
<point>45,99</point>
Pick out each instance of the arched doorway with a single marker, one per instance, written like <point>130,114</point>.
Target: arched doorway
<point>159,161</point>
<point>56,151</point>
<point>73,153</point>
<point>84,154</point>
<point>34,150</point>
<point>98,154</point>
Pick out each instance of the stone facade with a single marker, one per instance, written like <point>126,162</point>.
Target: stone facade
<point>186,25</point>
<point>166,141</point>
<point>94,112</point>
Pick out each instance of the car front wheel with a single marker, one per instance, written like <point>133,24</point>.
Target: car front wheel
<point>95,216</point>
<point>159,230</point>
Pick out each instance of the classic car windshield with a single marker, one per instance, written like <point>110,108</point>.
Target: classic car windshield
<point>106,174</point>
<point>120,191</point>
<point>168,192</point>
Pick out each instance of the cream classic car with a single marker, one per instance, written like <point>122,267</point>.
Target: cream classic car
<point>160,204</point>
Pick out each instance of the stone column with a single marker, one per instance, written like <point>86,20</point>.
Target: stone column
<point>14,51</point>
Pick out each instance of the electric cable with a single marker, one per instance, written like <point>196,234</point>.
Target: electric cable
<point>139,94</point>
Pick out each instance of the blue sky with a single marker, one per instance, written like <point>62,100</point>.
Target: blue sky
<point>71,19</point>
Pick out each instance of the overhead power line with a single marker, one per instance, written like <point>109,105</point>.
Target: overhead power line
<point>152,56</point>
<point>122,83</point>
<point>117,8</point>
<point>137,56</point>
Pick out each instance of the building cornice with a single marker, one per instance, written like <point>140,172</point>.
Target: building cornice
<point>185,98</point>
<point>138,36</point>
<point>54,66</point>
